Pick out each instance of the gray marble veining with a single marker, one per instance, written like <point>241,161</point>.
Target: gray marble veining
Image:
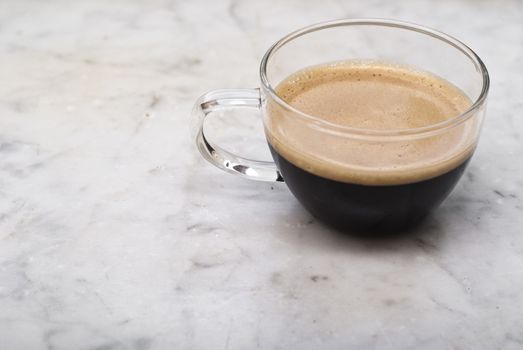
<point>115,234</point>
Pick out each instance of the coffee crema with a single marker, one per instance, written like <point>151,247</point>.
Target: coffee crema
<point>371,96</point>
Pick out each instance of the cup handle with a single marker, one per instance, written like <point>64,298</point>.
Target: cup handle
<point>225,99</point>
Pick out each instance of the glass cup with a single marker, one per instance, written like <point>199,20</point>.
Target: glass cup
<point>386,201</point>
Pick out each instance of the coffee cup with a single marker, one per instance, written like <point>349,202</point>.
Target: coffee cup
<point>370,123</point>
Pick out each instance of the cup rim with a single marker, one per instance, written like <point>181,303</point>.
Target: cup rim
<point>347,130</point>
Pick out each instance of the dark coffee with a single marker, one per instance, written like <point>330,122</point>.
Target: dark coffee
<point>368,184</point>
<point>366,208</point>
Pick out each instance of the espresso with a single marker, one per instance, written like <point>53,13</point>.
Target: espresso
<point>350,180</point>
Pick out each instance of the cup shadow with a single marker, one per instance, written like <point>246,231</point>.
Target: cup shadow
<point>427,234</point>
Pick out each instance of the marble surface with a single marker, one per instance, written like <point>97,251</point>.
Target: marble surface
<point>115,234</point>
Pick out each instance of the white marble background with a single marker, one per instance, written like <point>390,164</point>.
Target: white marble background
<point>115,234</point>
